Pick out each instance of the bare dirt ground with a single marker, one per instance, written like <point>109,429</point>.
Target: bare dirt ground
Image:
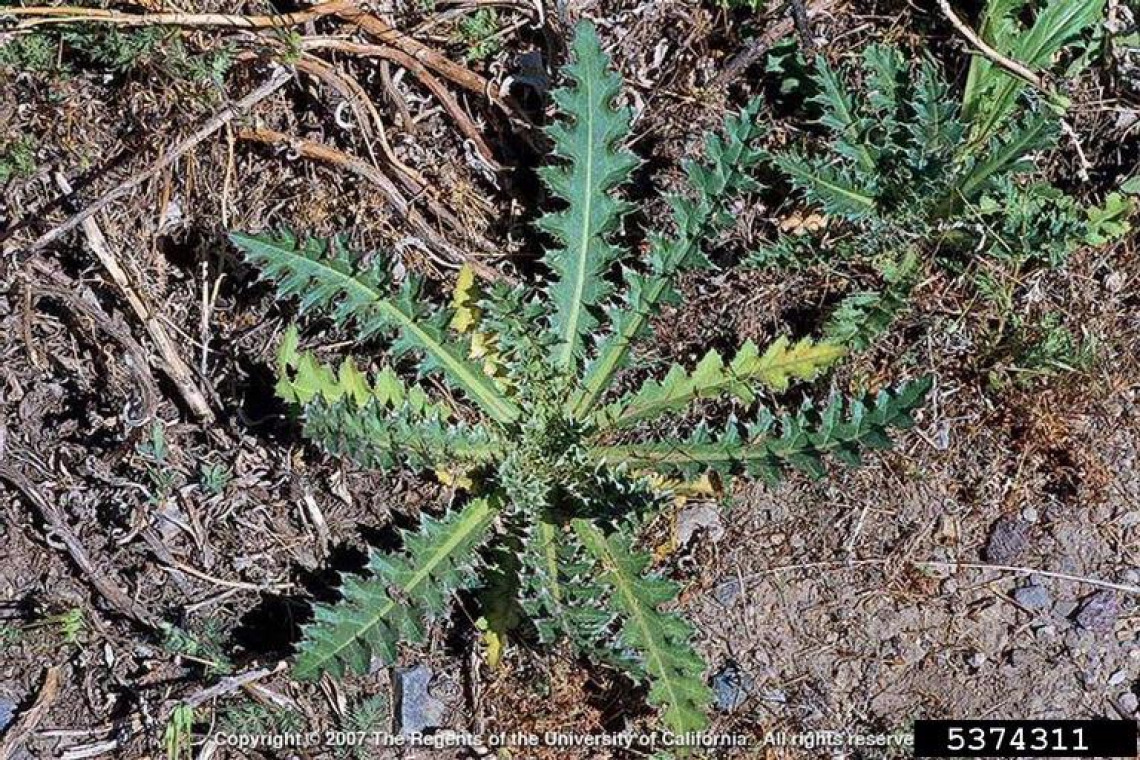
<point>855,603</point>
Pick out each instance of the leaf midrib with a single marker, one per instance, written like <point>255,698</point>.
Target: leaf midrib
<point>476,514</point>
<point>500,408</point>
<point>570,331</point>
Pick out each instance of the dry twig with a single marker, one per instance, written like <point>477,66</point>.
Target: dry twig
<point>762,44</point>
<point>19,733</point>
<point>366,115</point>
<point>426,78</point>
<point>70,14</point>
<point>327,154</point>
<point>176,369</point>
<point>1015,68</point>
<point>212,125</point>
<point>63,288</point>
<point>53,516</point>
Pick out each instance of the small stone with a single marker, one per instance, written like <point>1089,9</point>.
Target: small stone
<point>1032,597</point>
<point>1064,609</point>
<point>1099,611</point>
<point>950,586</point>
<point>727,591</point>
<point>1045,632</point>
<point>419,710</point>
<point>1128,702</point>
<point>702,517</point>
<point>1117,678</point>
<point>1131,575</point>
<point>977,660</point>
<point>731,686</point>
<point>1009,537</point>
<point>8,709</point>
<point>776,695</point>
<point>1030,515</point>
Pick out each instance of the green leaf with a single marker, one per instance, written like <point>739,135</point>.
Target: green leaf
<point>409,434</point>
<point>713,183</point>
<point>826,185</point>
<point>991,93</point>
<point>563,599</point>
<point>1009,154</point>
<point>596,165</point>
<point>862,317</point>
<point>775,368</point>
<point>400,597</point>
<point>801,441</point>
<point>1111,221</point>
<point>325,277</point>
<point>662,641</point>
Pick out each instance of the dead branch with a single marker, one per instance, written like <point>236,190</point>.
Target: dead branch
<point>379,29</point>
<point>53,517</point>
<point>420,72</point>
<point>62,288</point>
<point>70,14</point>
<point>231,684</point>
<point>366,114</point>
<point>212,125</point>
<point>327,154</point>
<point>22,729</point>
<point>1013,67</point>
<point>169,359</point>
<point>762,44</point>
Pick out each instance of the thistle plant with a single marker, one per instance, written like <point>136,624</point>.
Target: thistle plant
<point>553,467</point>
<point>911,171</point>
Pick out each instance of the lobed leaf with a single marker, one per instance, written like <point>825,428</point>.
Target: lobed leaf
<point>780,363</point>
<point>769,447</point>
<point>401,595</point>
<point>324,276</point>
<point>724,173</point>
<point>661,642</point>
<point>596,165</point>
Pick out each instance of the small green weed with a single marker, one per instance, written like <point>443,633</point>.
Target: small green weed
<point>214,478</point>
<point>162,476</point>
<point>36,53</point>
<point>17,158</point>
<point>249,718</point>
<point>206,647</point>
<point>178,735</point>
<point>365,716</point>
<point>69,625</point>
<point>479,32</point>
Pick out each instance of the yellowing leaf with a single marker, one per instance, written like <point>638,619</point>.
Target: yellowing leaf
<point>495,643</point>
<point>464,300</point>
<point>780,363</point>
<point>455,479</point>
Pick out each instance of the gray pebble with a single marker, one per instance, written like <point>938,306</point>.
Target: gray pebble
<point>727,591</point>
<point>1064,609</point>
<point>419,710</point>
<point>1128,702</point>
<point>1008,539</point>
<point>1099,611</point>
<point>8,709</point>
<point>1032,597</point>
<point>731,686</point>
<point>1117,678</point>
